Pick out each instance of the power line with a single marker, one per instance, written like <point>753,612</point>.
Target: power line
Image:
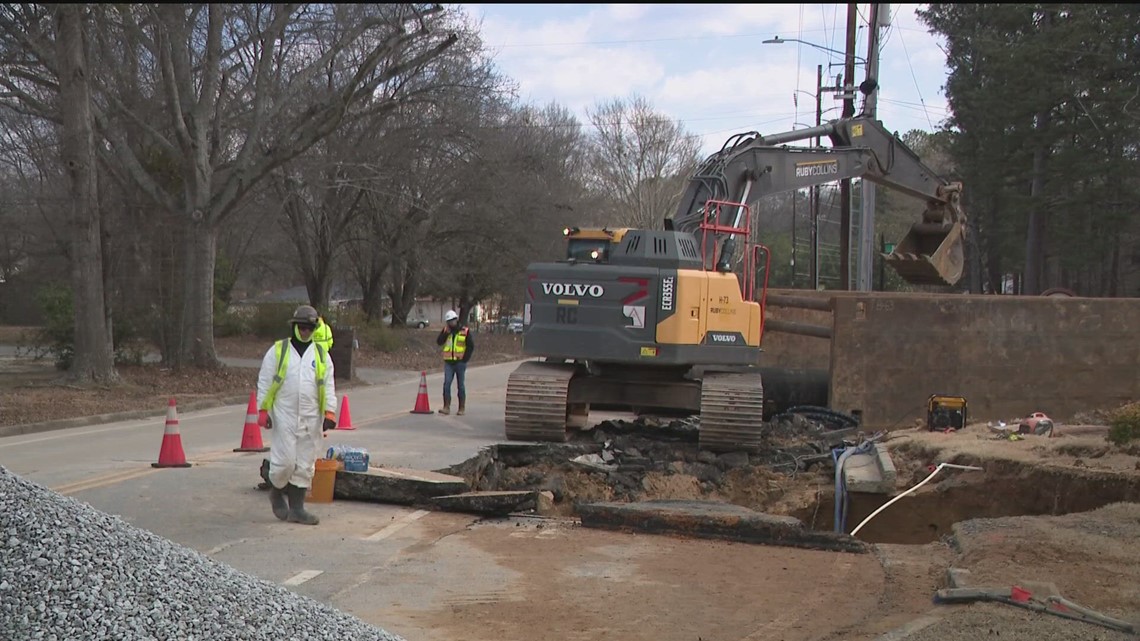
<point>915,79</point>
<point>639,40</point>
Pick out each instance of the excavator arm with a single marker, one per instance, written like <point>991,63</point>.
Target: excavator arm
<point>750,166</point>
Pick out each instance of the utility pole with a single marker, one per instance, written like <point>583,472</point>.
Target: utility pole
<point>864,280</point>
<point>814,193</point>
<point>845,184</point>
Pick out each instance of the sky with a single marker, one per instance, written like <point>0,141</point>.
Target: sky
<point>707,66</point>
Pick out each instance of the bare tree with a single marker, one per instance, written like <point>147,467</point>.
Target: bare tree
<point>518,187</point>
<point>94,357</point>
<point>641,161</point>
<point>319,204</point>
<point>199,103</point>
<point>413,174</point>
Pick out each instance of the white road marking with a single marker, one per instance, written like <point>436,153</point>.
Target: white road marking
<point>215,550</point>
<point>400,524</point>
<point>302,577</point>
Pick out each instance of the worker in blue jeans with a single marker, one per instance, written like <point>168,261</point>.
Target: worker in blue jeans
<point>457,349</point>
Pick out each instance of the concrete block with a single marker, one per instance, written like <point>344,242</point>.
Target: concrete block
<point>862,475</point>
<point>886,465</point>
<point>544,503</point>
<point>712,520</point>
<point>395,485</point>
<point>957,578</point>
<point>488,503</point>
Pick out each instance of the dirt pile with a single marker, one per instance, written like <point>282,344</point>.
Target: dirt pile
<point>650,458</point>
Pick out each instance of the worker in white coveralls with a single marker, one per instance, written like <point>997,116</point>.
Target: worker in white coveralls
<point>295,397</point>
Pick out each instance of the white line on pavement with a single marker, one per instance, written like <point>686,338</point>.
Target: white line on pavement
<point>400,524</point>
<point>301,577</point>
<point>214,550</point>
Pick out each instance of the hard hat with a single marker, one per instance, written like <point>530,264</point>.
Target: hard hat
<point>450,315</point>
<point>304,314</point>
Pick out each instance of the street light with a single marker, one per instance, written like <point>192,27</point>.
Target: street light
<point>779,41</point>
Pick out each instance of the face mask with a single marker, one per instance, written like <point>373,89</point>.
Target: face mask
<point>297,334</point>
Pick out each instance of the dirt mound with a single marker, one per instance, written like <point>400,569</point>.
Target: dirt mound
<point>1104,543</point>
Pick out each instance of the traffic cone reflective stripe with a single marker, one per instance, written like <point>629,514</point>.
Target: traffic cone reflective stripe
<point>422,406</point>
<point>344,421</point>
<point>251,433</point>
<point>171,454</point>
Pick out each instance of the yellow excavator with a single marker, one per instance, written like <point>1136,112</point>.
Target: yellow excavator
<point>672,319</point>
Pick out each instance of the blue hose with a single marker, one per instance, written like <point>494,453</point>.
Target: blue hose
<point>840,457</point>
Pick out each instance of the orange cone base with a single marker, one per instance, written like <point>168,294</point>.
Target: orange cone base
<point>251,440</point>
<point>171,453</point>
<point>422,406</point>
<point>344,422</point>
<point>251,432</point>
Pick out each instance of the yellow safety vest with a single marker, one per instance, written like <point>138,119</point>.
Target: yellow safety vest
<point>279,377</point>
<point>455,346</point>
<point>322,335</point>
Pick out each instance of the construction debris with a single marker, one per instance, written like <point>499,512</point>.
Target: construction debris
<point>711,520</point>
<point>396,485</point>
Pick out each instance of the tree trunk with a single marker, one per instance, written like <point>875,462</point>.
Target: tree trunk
<point>317,286</point>
<point>372,292</point>
<point>94,359</point>
<point>1035,236</point>
<point>198,313</point>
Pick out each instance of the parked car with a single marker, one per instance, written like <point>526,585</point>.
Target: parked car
<point>515,326</point>
<point>412,321</point>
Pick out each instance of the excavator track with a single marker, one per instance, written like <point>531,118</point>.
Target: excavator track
<point>536,402</point>
<point>732,412</point>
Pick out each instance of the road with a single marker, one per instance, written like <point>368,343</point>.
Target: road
<point>436,576</point>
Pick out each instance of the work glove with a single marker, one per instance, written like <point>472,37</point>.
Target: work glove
<point>330,423</point>
<point>263,419</point>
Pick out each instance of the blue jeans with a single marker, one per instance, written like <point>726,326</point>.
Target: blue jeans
<point>456,370</point>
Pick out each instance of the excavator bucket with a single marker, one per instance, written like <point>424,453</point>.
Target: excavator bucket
<point>930,254</point>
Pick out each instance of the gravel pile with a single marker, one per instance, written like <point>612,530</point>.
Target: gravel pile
<point>70,572</point>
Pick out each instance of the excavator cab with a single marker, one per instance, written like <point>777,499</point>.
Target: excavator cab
<point>933,251</point>
<point>591,245</point>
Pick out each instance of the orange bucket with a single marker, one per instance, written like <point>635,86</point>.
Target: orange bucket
<point>324,478</point>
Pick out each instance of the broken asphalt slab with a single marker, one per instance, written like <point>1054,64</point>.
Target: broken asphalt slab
<point>396,485</point>
<point>713,520</point>
<point>500,503</point>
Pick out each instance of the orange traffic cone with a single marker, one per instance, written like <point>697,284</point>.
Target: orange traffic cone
<point>251,434</point>
<point>422,398</point>
<point>344,422</point>
<point>171,454</point>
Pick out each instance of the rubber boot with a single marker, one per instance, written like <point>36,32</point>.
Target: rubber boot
<point>277,500</point>
<point>264,473</point>
<point>446,409</point>
<point>297,513</point>
<point>462,407</point>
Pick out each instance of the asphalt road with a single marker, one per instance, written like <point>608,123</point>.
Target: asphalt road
<point>435,576</point>
<point>214,506</point>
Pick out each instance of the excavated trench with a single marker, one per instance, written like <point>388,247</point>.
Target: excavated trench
<point>793,475</point>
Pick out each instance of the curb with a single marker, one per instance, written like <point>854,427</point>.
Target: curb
<point>201,404</point>
<point>99,419</point>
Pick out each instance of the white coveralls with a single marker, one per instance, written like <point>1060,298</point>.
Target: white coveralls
<point>296,417</point>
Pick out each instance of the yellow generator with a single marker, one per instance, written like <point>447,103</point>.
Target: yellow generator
<point>945,413</point>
